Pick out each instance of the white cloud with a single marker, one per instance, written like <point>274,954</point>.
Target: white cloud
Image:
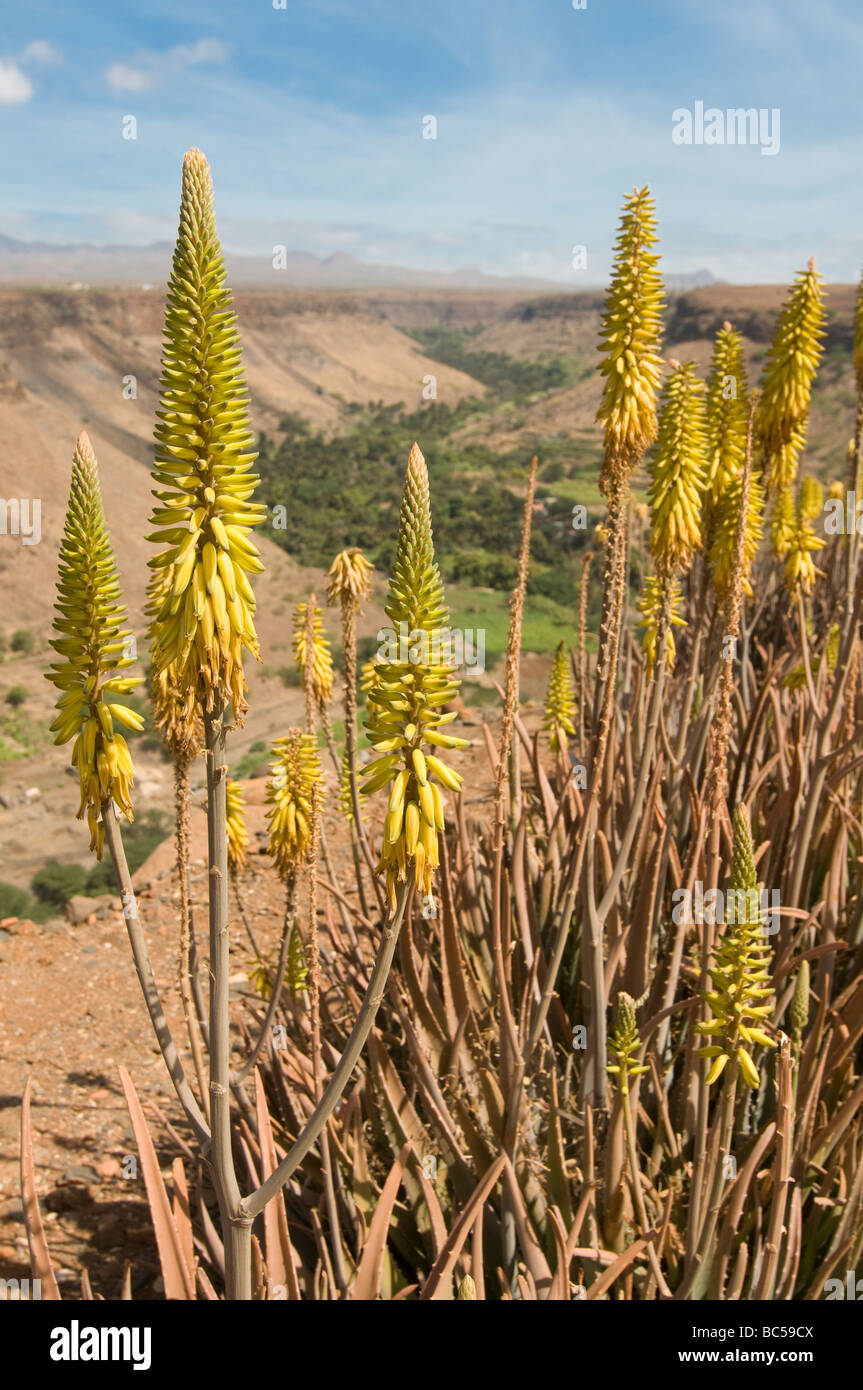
<point>204,51</point>
<point>40,51</point>
<point>15,86</point>
<point>150,68</point>
<point>124,78</point>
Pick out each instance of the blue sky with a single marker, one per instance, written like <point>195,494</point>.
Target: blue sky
<point>312,116</point>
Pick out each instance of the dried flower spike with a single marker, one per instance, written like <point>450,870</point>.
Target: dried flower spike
<point>202,471</point>
<point>93,644</point>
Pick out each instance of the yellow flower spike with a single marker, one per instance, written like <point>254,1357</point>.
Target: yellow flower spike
<point>321,655</point>
<point>624,1042</point>
<point>631,327</point>
<point>800,570</point>
<point>204,485</point>
<point>792,360</point>
<point>559,702</point>
<point>350,577</point>
<point>725,519</point>
<point>92,643</point>
<point>405,698</point>
<point>238,840</point>
<point>727,411</point>
<point>678,472</point>
<point>650,608</point>
<point>742,995</point>
<point>295,771</point>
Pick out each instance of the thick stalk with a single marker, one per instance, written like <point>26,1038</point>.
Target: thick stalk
<point>141,958</point>
<point>238,1264</point>
<point>181,813</point>
<point>256,1202</point>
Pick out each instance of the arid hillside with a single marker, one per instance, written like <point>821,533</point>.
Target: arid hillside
<point>72,359</point>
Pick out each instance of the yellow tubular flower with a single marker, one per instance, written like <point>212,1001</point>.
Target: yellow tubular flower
<point>345,800</point>
<point>792,360</point>
<point>678,472</point>
<point>181,727</point>
<point>93,645</point>
<point>725,532</point>
<point>650,608</point>
<point>726,415</point>
<point>350,577</point>
<point>321,657</point>
<point>408,696</point>
<point>631,327</point>
<point>238,840</point>
<point>202,471</point>
<point>742,997</point>
<point>296,770</point>
<point>559,703</point>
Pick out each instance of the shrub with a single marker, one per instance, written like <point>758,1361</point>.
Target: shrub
<point>56,883</point>
<point>16,695</point>
<point>23,641</point>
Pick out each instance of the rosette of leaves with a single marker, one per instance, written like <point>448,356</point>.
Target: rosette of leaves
<point>94,646</point>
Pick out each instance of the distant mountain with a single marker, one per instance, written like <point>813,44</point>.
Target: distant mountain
<point>41,263</point>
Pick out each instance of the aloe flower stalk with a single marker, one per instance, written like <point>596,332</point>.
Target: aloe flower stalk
<point>203,470</point>
<point>559,702</point>
<point>800,570</point>
<point>792,360</point>
<point>724,533</point>
<point>295,772</point>
<point>624,1042</point>
<point>631,328</point>
<point>94,646</point>
<point>319,660</point>
<point>678,471</point>
<point>742,996</point>
<point>727,412</point>
<point>406,728</point>
<point>650,606</point>
<point>92,643</point>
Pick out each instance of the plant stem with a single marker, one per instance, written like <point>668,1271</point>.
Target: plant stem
<point>238,1250</point>
<point>141,958</point>
<point>251,1205</point>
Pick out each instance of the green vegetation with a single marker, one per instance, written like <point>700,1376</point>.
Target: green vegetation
<point>16,695</point>
<point>23,641</point>
<point>345,491</point>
